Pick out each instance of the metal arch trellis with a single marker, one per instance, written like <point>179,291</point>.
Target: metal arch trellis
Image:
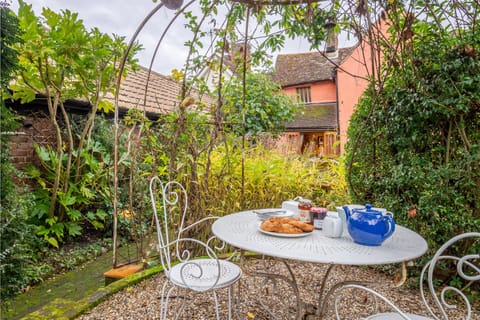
<point>177,5</point>
<point>115,130</point>
<point>116,101</point>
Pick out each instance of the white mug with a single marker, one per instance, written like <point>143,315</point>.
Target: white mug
<point>343,216</point>
<point>332,226</point>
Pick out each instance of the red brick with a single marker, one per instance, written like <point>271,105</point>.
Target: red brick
<point>18,153</point>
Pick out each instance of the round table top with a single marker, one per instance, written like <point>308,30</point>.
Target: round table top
<point>241,230</point>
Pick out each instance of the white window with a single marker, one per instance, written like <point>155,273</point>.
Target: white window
<point>303,94</point>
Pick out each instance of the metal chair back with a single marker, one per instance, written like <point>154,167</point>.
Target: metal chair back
<point>437,297</point>
<point>184,266</point>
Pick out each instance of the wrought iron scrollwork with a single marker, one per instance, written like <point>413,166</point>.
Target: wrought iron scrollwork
<point>440,297</point>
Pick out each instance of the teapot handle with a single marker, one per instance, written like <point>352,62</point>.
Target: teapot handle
<point>389,213</point>
<point>391,225</point>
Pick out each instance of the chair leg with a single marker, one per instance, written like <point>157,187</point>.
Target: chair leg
<point>236,297</point>
<point>217,313</point>
<point>229,290</point>
<point>165,299</point>
<point>164,302</point>
<point>181,308</point>
<point>167,294</point>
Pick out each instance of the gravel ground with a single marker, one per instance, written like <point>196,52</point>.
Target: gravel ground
<point>142,301</point>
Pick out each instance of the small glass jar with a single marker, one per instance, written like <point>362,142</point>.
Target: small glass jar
<point>304,206</point>
<point>317,215</point>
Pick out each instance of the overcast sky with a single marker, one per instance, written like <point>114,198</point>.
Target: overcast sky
<point>123,17</point>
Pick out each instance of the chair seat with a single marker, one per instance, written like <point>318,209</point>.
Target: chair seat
<point>395,316</point>
<point>229,273</point>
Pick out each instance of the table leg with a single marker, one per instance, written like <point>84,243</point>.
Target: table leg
<point>309,311</point>
<point>321,300</point>
<point>272,278</point>
<point>276,279</point>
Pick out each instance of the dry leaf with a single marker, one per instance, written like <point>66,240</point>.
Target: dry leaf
<point>412,211</point>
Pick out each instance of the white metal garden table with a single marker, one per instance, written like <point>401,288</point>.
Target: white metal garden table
<point>241,230</point>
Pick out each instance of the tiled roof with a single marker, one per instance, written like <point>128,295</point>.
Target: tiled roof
<point>162,94</point>
<point>314,117</point>
<point>301,68</point>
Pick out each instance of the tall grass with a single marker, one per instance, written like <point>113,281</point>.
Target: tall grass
<point>271,178</point>
<point>220,173</point>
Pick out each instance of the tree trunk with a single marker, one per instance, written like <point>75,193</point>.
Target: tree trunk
<point>58,169</point>
<point>85,132</point>
<point>66,178</point>
<point>52,110</point>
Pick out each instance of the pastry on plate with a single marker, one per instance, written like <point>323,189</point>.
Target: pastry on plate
<point>286,225</point>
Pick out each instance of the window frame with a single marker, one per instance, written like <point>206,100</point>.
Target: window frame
<point>304,94</point>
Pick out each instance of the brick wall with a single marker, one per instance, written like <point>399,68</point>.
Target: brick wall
<point>36,129</point>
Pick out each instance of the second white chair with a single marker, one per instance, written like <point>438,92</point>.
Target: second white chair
<point>437,303</point>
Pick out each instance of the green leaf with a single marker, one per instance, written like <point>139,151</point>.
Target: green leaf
<point>32,171</point>
<point>97,224</point>
<point>23,94</point>
<point>51,221</point>
<point>74,214</point>
<point>73,229</point>
<point>43,153</point>
<point>87,192</point>
<point>148,159</point>
<point>101,214</point>
<point>106,106</point>
<point>57,229</point>
<point>52,241</point>
<point>42,231</point>
<point>66,199</point>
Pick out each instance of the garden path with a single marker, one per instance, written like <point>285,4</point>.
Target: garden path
<point>72,286</point>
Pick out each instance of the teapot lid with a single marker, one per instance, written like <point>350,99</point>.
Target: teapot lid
<point>368,209</point>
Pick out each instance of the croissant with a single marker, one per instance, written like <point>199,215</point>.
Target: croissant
<point>302,225</point>
<point>286,225</point>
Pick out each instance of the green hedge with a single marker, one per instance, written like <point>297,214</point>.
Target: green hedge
<point>415,139</point>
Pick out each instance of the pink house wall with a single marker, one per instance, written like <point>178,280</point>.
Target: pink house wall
<point>352,78</point>
<point>323,91</point>
<point>350,88</point>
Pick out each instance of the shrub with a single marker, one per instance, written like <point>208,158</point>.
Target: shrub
<point>415,142</point>
<point>83,200</point>
<point>17,234</point>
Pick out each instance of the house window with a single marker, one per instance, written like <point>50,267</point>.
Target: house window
<point>303,94</point>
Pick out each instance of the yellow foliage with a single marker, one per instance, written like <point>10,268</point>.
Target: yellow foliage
<point>177,75</point>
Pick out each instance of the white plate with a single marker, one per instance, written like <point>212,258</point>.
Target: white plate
<point>285,235</point>
<point>264,214</point>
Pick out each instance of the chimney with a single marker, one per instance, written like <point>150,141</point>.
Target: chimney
<point>236,55</point>
<point>331,50</point>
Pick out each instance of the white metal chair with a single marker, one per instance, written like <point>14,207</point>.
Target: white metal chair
<point>189,264</point>
<point>467,267</point>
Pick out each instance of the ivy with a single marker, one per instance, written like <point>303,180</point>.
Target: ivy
<point>414,141</point>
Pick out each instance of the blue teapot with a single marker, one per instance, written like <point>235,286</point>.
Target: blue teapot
<point>368,226</point>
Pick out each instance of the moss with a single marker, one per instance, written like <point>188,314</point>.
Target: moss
<point>59,309</point>
<point>68,309</point>
<point>55,310</point>
<point>72,308</point>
